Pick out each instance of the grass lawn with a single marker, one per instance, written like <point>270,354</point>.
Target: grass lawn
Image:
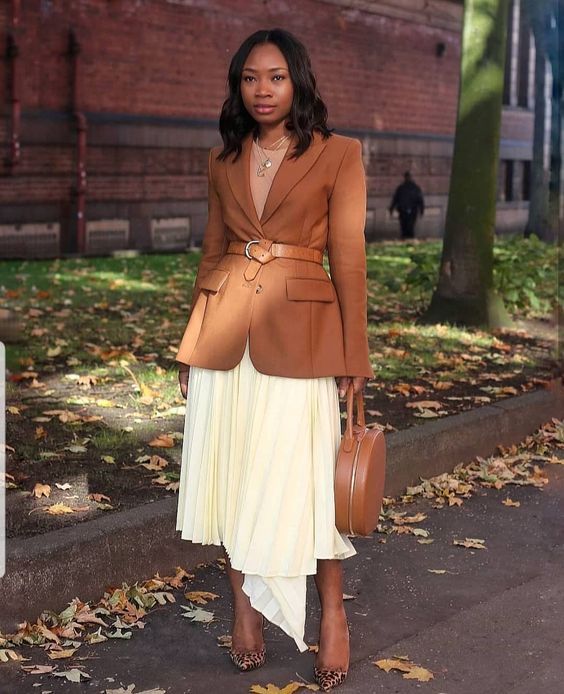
<point>94,412</point>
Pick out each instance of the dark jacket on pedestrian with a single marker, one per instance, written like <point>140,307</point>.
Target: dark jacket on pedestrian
<point>408,199</point>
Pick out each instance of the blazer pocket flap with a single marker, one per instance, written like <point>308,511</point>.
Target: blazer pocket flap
<point>309,289</point>
<point>214,280</point>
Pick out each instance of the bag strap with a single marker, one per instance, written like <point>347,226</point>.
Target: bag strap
<point>360,419</point>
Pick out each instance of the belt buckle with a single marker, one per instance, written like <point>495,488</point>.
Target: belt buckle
<point>249,256</point>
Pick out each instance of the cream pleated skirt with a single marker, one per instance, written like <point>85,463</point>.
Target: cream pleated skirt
<point>257,476</point>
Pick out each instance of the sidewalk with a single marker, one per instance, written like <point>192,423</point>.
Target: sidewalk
<point>492,624</point>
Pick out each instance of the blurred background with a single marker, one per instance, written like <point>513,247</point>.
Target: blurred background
<point>110,108</point>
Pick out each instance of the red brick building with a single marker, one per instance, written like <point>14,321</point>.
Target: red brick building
<point>111,106</point>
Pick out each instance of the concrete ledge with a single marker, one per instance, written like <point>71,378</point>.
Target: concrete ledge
<point>439,445</point>
<point>47,571</point>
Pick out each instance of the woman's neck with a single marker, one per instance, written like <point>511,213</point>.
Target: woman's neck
<point>272,136</point>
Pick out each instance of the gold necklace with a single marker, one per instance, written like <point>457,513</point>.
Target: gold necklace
<point>267,163</point>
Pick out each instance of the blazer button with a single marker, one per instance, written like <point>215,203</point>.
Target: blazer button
<point>259,288</point>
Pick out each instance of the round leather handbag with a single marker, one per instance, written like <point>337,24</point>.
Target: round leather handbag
<point>359,473</point>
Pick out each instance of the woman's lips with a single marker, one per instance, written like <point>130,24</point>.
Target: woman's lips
<point>263,109</point>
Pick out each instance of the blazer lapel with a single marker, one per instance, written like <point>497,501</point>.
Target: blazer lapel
<point>290,172</point>
<point>238,177</point>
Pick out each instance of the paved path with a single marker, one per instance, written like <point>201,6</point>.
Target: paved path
<point>492,625</point>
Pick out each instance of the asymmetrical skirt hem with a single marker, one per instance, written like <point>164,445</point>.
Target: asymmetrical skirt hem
<point>257,477</point>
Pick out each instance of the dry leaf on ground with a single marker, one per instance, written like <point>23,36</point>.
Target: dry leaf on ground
<point>40,490</point>
<point>201,597</point>
<point>290,688</point>
<point>196,614</point>
<point>162,441</point>
<point>73,675</point>
<point>410,670</point>
<point>470,543</point>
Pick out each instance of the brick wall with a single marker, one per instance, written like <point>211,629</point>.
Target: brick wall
<point>152,81</point>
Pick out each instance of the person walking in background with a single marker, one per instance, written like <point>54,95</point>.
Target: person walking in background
<point>408,201</point>
<point>271,343</point>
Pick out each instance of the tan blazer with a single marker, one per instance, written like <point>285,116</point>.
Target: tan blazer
<point>300,322</point>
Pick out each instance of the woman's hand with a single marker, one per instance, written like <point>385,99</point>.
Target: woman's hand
<point>183,372</point>
<point>359,384</point>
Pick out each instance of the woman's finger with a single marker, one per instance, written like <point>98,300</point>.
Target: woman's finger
<point>359,384</point>
<point>183,381</point>
<point>343,385</point>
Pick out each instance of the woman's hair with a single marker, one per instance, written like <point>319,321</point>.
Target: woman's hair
<point>308,112</point>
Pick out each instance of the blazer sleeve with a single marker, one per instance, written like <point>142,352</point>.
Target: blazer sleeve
<point>214,243</point>
<point>347,257</point>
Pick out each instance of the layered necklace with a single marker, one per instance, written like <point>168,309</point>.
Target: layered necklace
<point>264,161</point>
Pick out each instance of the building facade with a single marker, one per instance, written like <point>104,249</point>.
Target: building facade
<point>111,107</point>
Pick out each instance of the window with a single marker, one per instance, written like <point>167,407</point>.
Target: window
<point>526,190</point>
<point>523,61</point>
<point>509,171</point>
<point>508,58</point>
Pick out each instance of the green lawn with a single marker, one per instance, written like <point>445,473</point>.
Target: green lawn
<point>99,315</point>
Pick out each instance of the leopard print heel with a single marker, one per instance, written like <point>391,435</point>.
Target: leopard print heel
<point>328,679</point>
<point>250,660</point>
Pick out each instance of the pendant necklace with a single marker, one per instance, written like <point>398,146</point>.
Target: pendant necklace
<point>267,162</point>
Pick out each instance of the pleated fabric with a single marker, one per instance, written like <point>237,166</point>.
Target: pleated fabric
<point>257,476</point>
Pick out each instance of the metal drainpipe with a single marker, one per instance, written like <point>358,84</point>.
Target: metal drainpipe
<point>81,128</point>
<point>12,55</point>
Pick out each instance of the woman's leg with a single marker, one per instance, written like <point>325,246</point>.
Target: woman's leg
<point>333,633</point>
<point>247,622</point>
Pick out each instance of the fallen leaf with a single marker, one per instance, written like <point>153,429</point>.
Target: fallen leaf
<point>155,463</point>
<point>58,509</point>
<point>290,688</point>
<point>510,502</point>
<point>201,597</point>
<point>196,614</point>
<point>410,670</point>
<point>7,654</point>
<point>470,543</point>
<point>425,404</point>
<point>98,497</point>
<point>162,441</point>
<point>62,653</point>
<point>420,674</point>
<point>73,675</point>
<point>40,490</point>
<point>437,571</point>
<point>76,448</point>
<point>38,669</point>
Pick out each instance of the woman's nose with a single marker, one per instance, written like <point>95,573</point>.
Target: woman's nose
<point>263,88</point>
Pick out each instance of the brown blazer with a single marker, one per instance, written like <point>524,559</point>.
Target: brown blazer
<point>300,322</point>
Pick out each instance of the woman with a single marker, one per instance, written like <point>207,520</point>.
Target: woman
<point>269,333</point>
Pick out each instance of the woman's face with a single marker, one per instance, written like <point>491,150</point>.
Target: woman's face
<point>266,87</point>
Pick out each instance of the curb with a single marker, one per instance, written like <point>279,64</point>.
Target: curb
<point>47,571</point>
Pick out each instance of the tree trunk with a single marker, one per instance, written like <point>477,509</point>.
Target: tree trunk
<point>537,222</point>
<point>556,55</point>
<point>465,293</point>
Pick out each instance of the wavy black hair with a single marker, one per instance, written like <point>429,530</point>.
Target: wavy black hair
<point>308,112</point>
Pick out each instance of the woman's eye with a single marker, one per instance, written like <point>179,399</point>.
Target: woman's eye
<point>278,76</point>
<point>247,77</point>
